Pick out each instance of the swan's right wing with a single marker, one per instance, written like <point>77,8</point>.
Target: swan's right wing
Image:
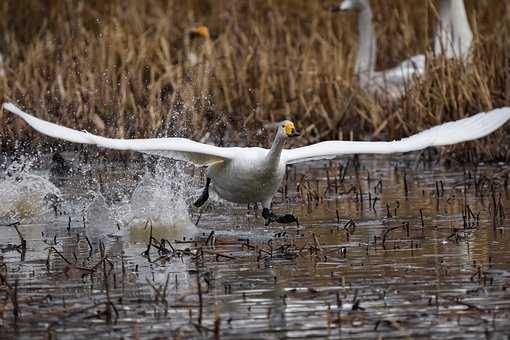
<point>458,131</point>
<point>174,148</point>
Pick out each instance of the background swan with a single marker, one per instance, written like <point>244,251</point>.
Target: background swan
<point>453,37</point>
<point>391,82</point>
<point>194,83</point>
<point>197,44</point>
<point>253,175</point>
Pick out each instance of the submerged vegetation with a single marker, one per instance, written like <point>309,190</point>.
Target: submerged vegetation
<point>121,69</point>
<point>382,251</point>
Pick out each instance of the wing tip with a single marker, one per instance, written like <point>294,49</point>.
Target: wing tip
<point>9,106</point>
<point>502,110</point>
<point>502,115</point>
<point>14,109</point>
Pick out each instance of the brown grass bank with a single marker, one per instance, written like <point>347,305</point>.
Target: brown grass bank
<point>119,68</point>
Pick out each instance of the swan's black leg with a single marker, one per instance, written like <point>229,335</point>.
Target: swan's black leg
<point>205,195</point>
<point>287,218</point>
<point>268,216</point>
<point>283,219</point>
<point>266,213</point>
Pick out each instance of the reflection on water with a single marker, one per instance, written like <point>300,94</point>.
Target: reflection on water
<point>385,248</point>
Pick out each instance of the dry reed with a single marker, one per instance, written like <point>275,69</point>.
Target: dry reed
<point>119,68</point>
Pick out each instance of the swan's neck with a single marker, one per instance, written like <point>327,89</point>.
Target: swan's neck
<point>365,59</point>
<point>454,35</point>
<point>273,157</point>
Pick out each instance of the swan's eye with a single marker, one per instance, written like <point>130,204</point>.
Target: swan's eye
<point>283,126</point>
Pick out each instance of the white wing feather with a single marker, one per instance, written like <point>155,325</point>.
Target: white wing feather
<point>175,148</point>
<point>462,130</point>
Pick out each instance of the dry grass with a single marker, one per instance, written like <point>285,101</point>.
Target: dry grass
<point>118,68</point>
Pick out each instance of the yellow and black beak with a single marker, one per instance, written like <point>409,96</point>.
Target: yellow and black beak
<point>199,32</point>
<point>295,133</point>
<point>291,130</point>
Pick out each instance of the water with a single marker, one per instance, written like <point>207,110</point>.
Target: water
<point>388,273</point>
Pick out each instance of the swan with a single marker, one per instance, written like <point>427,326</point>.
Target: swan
<point>196,41</point>
<point>391,82</point>
<point>453,36</point>
<point>193,84</point>
<point>253,174</point>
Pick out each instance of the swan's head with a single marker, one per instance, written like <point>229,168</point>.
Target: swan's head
<point>199,31</point>
<point>287,129</point>
<point>349,5</point>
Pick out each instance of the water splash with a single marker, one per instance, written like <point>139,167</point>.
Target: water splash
<point>161,196</point>
<point>164,192</point>
<point>25,195</point>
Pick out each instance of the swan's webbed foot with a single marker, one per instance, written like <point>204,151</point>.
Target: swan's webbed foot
<point>287,218</point>
<point>283,219</point>
<point>205,195</point>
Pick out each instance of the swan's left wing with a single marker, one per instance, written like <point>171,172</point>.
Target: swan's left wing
<point>462,130</point>
<point>175,148</point>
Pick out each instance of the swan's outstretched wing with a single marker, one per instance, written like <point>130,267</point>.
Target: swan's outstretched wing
<point>462,130</point>
<point>175,148</point>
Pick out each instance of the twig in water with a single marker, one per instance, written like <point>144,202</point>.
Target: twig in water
<point>198,218</point>
<point>350,226</point>
<point>23,242</point>
<point>316,243</point>
<point>406,190</point>
<point>109,304</point>
<point>386,233</point>
<point>200,299</point>
<point>53,249</point>
<point>210,238</point>
<point>14,300</point>
<point>147,252</point>
<point>90,247</point>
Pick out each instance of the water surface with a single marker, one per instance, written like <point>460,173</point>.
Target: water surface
<point>385,247</point>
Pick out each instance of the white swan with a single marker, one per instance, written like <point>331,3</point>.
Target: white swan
<point>194,53</point>
<point>391,82</point>
<point>453,37</point>
<point>252,174</point>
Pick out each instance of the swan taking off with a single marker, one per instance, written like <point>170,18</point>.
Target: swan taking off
<point>453,36</point>
<point>252,174</point>
<point>391,82</point>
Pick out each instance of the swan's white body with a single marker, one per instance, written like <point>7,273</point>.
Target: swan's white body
<point>453,37</point>
<point>392,82</point>
<point>265,174</point>
<point>252,175</point>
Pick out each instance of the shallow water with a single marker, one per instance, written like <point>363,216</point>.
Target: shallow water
<point>392,272</point>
